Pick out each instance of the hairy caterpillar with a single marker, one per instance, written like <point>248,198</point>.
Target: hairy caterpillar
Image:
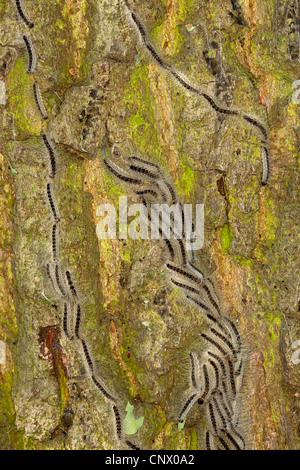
<point>58,281</point>
<point>220,361</point>
<point>185,286</point>
<point>143,164</point>
<point>224,406</point>
<point>257,124</point>
<point>232,440</point>
<point>51,152</point>
<point>118,421</point>
<point>194,371</point>
<point>217,108</point>
<point>219,413</point>
<point>206,385</point>
<point>207,440</point>
<point>212,419</point>
<point>52,203</point>
<point>146,192</point>
<point>66,321</point>
<point>49,273</point>
<point>23,14</point>
<point>197,302</point>
<point>266,166</point>
<point>217,375</point>
<point>239,368</point>
<point>216,321</point>
<point>87,356</point>
<point>170,247</point>
<point>221,109</point>
<point>119,174</point>
<point>78,319</point>
<point>140,27</point>
<point>184,83</point>
<point>143,171</point>
<point>196,270</point>
<point>214,343</point>
<point>31,54</point>
<point>183,272</point>
<point>39,101</point>
<point>223,443</point>
<point>236,334</point>
<point>101,387</point>
<point>214,303</point>
<point>237,434</point>
<point>186,407</point>
<point>225,341</point>
<point>132,446</point>
<point>70,283</point>
<point>232,379</point>
<point>161,233</point>
<point>218,379</point>
<point>54,242</point>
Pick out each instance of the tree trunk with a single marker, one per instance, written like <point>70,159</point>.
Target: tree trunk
<point>100,88</point>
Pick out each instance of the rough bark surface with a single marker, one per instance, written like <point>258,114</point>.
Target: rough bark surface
<point>101,88</point>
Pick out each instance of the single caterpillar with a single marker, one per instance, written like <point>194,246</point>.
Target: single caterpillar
<point>266,166</point>
<point>52,203</point>
<point>70,283</point>
<point>23,14</point>
<point>212,419</point>
<point>194,371</point>
<point>132,446</point>
<point>206,385</point>
<point>236,334</point>
<point>186,407</point>
<point>217,375</point>
<point>223,443</point>
<point>118,173</point>
<point>118,421</point>
<point>58,281</point>
<point>50,148</point>
<point>87,355</point>
<point>214,303</point>
<point>102,389</point>
<point>78,320</point>
<point>197,302</point>
<point>185,286</point>
<point>39,101</point>
<point>214,343</point>
<point>31,54</point>
<point>66,321</point>
<point>143,171</point>
<point>232,440</point>
<point>184,272</point>
<point>207,440</point>
<point>219,413</point>
<point>54,242</point>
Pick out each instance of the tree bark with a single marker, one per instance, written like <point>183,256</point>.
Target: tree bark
<point>100,88</point>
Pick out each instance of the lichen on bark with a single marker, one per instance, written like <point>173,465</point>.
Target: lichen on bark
<point>101,88</point>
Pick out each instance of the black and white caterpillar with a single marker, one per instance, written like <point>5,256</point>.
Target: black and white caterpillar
<point>217,380</point>
<point>60,277</point>
<point>190,87</point>
<point>31,54</point>
<point>23,15</point>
